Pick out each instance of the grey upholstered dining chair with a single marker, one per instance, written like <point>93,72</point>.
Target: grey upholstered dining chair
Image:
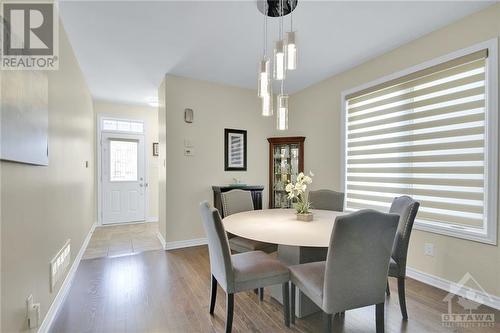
<point>354,274</point>
<point>239,272</point>
<point>327,200</point>
<point>407,209</point>
<point>237,201</point>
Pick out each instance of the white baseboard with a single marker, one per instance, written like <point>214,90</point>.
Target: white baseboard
<point>185,243</point>
<point>449,286</point>
<point>162,240</point>
<point>152,219</point>
<point>66,285</point>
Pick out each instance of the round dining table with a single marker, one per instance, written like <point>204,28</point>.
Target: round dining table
<point>298,242</point>
<point>280,226</point>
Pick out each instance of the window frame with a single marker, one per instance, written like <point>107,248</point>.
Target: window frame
<point>488,234</point>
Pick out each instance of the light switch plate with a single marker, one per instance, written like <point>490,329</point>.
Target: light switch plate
<point>429,249</point>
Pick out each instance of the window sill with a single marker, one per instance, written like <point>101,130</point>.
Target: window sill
<point>473,234</point>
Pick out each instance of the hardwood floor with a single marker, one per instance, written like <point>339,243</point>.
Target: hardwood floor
<point>158,291</point>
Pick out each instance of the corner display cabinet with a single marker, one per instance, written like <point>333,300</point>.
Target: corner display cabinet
<point>286,161</point>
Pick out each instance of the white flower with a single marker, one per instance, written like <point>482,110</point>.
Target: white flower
<point>299,177</point>
<point>311,173</point>
<point>289,187</point>
<point>307,180</point>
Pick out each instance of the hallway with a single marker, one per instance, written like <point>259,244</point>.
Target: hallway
<point>121,240</point>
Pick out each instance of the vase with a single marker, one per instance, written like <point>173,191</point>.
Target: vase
<point>305,217</point>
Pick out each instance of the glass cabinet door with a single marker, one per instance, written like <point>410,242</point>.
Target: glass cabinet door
<point>286,169</point>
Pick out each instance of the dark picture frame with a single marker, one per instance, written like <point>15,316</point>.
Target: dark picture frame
<point>235,150</point>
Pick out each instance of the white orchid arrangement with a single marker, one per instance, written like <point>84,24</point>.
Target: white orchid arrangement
<point>298,192</point>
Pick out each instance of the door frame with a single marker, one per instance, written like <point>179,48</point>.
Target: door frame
<point>98,177</point>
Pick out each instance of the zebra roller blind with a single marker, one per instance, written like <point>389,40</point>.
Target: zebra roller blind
<point>421,135</point>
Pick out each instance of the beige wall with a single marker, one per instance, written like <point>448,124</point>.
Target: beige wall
<point>43,206</point>
<point>149,115</point>
<point>162,132</point>
<point>1,223</point>
<point>189,178</point>
<point>315,113</point>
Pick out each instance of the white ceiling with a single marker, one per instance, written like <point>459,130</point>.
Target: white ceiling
<point>126,47</point>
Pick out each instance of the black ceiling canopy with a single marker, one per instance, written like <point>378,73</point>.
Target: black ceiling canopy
<point>273,7</point>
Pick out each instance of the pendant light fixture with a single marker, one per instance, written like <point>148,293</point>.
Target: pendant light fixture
<point>282,99</point>
<point>267,105</point>
<point>279,50</point>
<point>291,51</point>
<point>291,46</point>
<point>279,60</point>
<point>282,112</point>
<point>284,58</point>
<point>264,79</point>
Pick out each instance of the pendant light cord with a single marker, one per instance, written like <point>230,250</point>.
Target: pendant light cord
<point>281,37</point>
<point>266,8</point>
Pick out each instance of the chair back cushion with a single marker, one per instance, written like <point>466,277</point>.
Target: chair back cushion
<point>358,260</point>
<point>236,201</point>
<point>407,209</point>
<point>327,200</point>
<point>218,246</point>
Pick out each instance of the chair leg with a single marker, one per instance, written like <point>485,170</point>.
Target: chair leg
<point>286,303</point>
<point>327,322</point>
<point>379,317</point>
<point>229,312</point>
<point>387,289</point>
<point>402,297</point>
<point>292,303</point>
<point>213,294</point>
<point>256,291</point>
<point>261,294</point>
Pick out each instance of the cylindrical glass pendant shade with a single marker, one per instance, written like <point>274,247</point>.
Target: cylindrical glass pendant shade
<point>282,113</point>
<point>267,105</point>
<point>264,82</point>
<point>291,51</point>
<point>279,60</point>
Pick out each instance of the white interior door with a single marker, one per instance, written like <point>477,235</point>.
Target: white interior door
<point>123,178</point>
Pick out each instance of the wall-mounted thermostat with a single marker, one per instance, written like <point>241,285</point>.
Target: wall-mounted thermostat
<point>188,115</point>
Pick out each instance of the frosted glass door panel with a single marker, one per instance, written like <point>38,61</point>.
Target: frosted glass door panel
<point>123,160</point>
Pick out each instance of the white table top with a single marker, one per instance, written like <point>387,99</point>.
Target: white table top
<point>280,226</point>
